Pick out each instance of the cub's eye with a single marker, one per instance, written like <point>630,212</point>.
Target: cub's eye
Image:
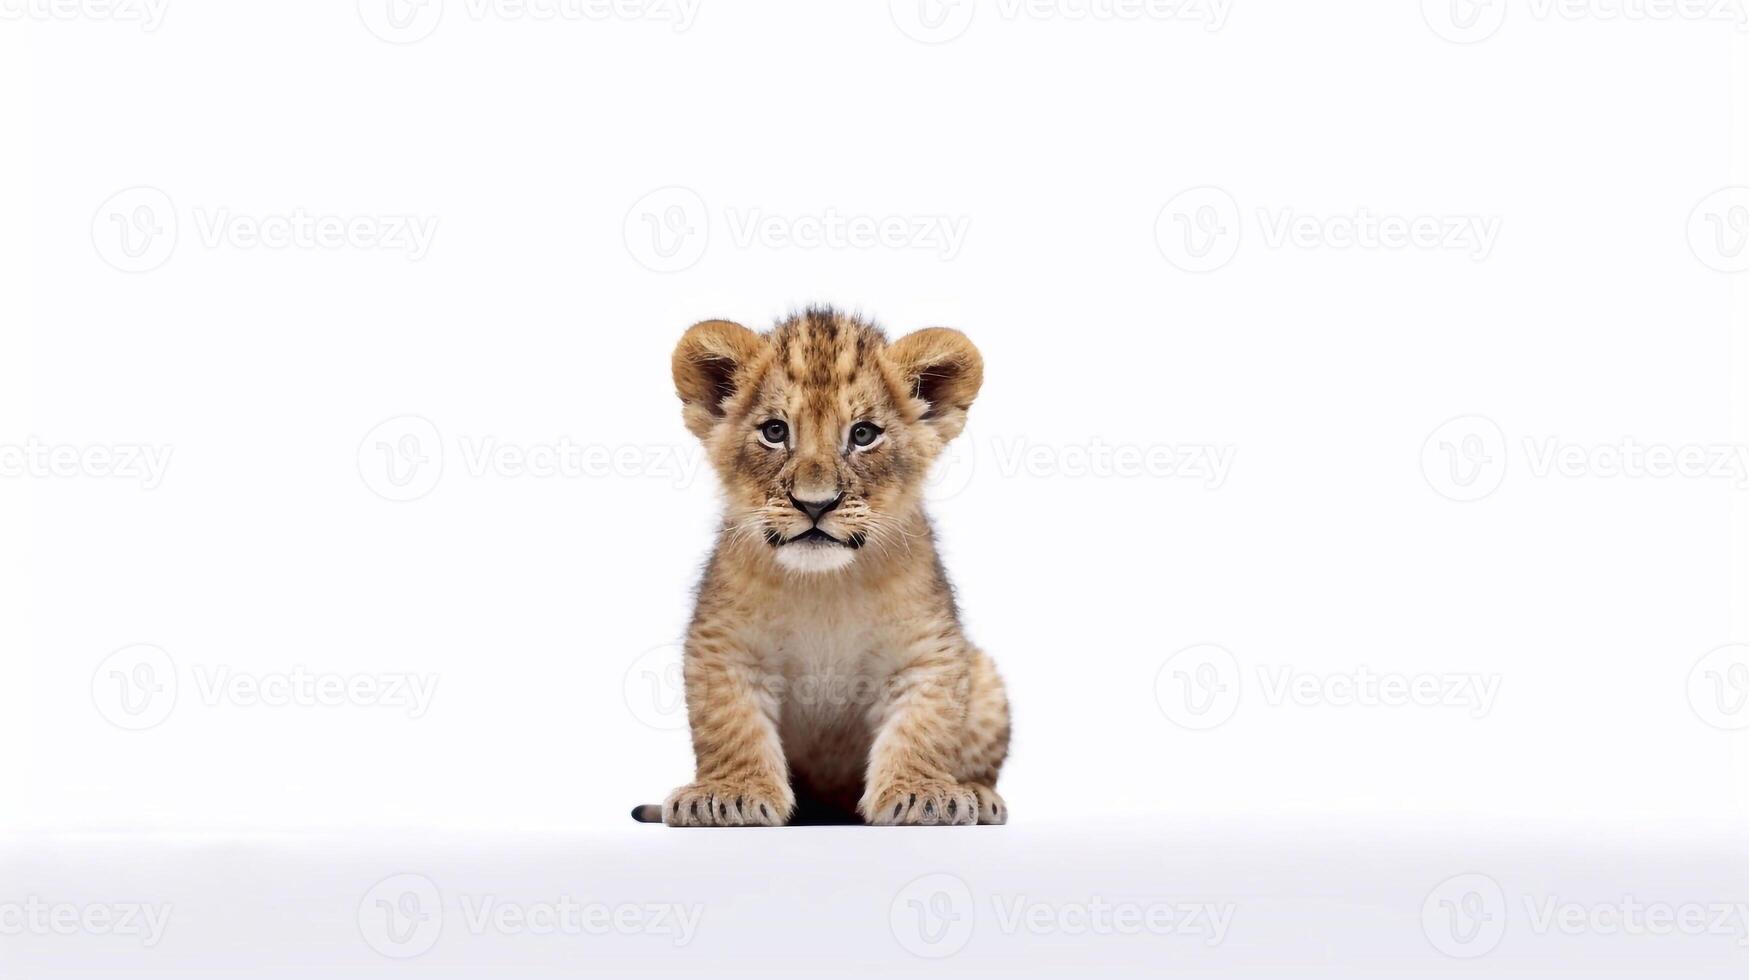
<point>774,434</point>
<point>864,435</point>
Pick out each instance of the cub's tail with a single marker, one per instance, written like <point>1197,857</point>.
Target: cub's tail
<point>647,813</point>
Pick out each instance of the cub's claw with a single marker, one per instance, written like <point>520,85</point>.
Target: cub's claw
<point>718,804</point>
<point>927,802</point>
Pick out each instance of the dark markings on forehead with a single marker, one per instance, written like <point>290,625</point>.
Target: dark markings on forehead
<point>823,349</point>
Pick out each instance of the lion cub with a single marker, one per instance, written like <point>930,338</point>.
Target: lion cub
<point>825,659</point>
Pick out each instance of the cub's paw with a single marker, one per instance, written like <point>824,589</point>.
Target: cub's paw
<point>928,802</point>
<point>991,807</point>
<point>722,804</point>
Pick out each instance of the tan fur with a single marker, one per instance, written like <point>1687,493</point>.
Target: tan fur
<point>855,684</point>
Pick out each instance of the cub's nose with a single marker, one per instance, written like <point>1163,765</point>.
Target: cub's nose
<point>816,509</point>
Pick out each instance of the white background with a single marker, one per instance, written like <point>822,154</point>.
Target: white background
<point>588,185</point>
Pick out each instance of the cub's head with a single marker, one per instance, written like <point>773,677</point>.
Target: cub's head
<point>821,430</point>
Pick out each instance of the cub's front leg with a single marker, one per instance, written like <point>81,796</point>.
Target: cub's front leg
<point>917,742</point>
<point>741,779</point>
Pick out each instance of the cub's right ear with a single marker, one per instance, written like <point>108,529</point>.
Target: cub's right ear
<point>710,362</point>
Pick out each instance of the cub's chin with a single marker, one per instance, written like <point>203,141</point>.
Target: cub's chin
<point>814,556</point>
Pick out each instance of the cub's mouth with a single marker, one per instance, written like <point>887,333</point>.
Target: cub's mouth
<point>814,538</point>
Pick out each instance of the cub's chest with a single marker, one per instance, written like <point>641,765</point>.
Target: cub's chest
<point>829,659</point>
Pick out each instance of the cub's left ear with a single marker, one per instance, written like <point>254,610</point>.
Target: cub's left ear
<point>710,364</point>
<point>941,367</point>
